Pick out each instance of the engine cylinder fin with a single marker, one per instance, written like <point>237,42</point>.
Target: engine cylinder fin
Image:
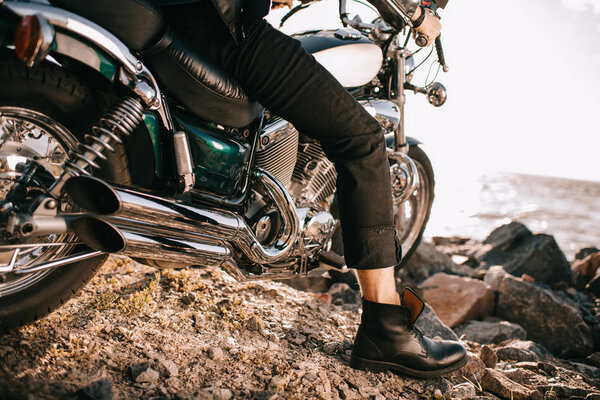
<point>279,159</point>
<point>314,177</point>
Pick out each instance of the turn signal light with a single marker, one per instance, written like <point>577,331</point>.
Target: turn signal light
<point>33,39</point>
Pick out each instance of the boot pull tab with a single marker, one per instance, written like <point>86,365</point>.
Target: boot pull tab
<point>413,302</point>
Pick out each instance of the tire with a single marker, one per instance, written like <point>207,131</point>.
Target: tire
<point>411,234</point>
<point>63,98</point>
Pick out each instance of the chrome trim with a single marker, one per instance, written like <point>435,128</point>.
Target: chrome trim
<point>129,208</point>
<point>273,133</point>
<point>386,112</point>
<point>408,169</point>
<point>104,40</point>
<point>183,161</point>
<point>60,262</point>
<point>82,27</point>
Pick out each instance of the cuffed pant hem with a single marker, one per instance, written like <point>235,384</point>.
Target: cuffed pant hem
<point>372,248</point>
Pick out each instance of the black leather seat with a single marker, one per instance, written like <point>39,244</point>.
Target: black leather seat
<point>193,81</point>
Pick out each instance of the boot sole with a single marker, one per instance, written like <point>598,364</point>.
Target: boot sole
<point>382,366</point>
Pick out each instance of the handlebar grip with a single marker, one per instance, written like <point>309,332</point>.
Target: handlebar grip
<point>440,53</point>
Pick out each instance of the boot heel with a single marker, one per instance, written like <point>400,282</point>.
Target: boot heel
<point>367,365</point>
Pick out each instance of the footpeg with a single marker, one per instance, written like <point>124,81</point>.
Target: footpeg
<point>332,260</point>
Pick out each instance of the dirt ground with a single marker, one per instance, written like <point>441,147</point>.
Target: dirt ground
<point>135,332</point>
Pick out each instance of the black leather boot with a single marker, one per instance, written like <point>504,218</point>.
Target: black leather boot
<point>387,339</point>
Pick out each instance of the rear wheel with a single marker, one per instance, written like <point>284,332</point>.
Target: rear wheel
<point>44,113</point>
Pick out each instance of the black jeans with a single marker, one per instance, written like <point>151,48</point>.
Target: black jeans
<point>274,69</point>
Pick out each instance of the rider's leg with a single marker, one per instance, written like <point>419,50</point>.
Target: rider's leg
<point>275,70</point>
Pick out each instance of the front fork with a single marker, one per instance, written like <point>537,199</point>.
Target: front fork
<point>400,144</point>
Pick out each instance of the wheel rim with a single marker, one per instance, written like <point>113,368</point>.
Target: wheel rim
<point>27,135</point>
<point>410,217</point>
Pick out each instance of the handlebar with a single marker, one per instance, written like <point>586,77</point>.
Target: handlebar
<point>422,40</point>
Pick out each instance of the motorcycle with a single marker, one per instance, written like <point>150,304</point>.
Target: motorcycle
<point>159,155</point>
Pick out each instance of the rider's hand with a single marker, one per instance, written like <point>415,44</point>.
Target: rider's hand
<point>431,25</point>
<point>281,3</point>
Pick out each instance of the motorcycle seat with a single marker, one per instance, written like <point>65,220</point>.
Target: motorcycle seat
<point>198,84</point>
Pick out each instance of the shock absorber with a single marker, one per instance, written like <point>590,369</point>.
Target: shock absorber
<point>116,125</point>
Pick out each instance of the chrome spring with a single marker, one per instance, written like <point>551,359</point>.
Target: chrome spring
<point>117,124</point>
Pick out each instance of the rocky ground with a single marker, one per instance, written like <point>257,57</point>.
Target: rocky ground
<point>528,317</point>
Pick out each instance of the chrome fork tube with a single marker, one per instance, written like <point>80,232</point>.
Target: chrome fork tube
<point>399,134</point>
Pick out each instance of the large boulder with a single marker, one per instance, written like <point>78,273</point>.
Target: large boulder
<point>594,286</point>
<point>458,299</point>
<point>520,252</point>
<point>522,350</point>
<point>429,323</point>
<point>588,266</point>
<point>486,332</point>
<point>547,318</point>
<point>426,261</point>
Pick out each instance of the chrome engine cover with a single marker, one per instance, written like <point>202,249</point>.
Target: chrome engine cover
<point>277,150</point>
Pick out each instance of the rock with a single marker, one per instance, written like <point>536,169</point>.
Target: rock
<point>472,370</point>
<point>498,384</point>
<point>215,353</point>
<point>593,359</point>
<point>488,356</point>
<point>253,323</point>
<point>343,292</point>
<point>458,299</point>
<point>594,286</point>
<point>278,382</point>
<point>520,252</point>
<point>588,266</point>
<point>564,391</point>
<point>520,350</point>
<point>188,298</point>
<point>584,252</point>
<point>330,348</point>
<point>222,394</point>
<point>314,284</point>
<point>136,369</point>
<point>586,370</point>
<point>265,395</point>
<point>168,368</point>
<point>463,391</point>
<point>427,261</point>
<point>490,332</point>
<point>310,377</point>
<point>97,390</point>
<point>494,276</point>
<point>429,323</point>
<point>548,319</point>
<point>299,339</point>
<point>148,376</point>
<point>452,240</point>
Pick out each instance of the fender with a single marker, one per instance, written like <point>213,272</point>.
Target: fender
<point>89,44</point>
<point>82,40</point>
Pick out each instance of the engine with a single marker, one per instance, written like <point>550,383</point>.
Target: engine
<point>300,164</point>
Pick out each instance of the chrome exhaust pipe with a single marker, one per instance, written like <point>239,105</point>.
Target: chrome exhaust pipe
<point>157,246</point>
<point>131,210</point>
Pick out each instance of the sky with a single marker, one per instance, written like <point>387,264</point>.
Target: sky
<point>523,87</point>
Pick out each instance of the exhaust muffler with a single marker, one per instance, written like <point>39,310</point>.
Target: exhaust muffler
<point>161,219</point>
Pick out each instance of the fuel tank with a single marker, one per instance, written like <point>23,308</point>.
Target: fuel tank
<point>352,58</point>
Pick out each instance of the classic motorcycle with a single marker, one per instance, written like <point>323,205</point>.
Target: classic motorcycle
<point>112,142</point>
